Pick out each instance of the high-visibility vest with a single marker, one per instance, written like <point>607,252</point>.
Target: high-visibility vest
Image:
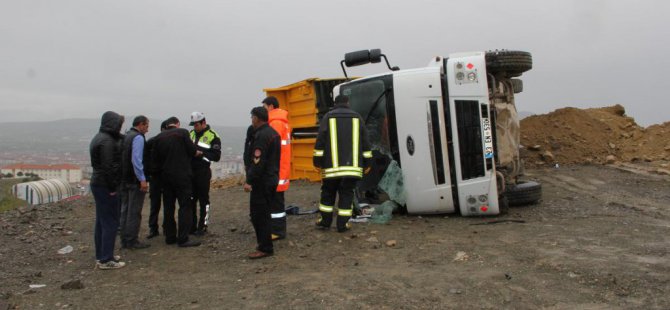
<point>205,141</point>
<point>278,120</point>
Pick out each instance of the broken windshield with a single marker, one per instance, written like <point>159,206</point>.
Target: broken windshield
<point>368,98</point>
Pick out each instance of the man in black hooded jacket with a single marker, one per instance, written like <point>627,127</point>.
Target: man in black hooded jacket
<point>105,150</point>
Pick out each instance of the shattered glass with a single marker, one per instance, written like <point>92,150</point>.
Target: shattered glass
<point>384,212</point>
<point>392,183</point>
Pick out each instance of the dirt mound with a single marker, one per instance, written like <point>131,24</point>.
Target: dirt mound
<point>231,181</point>
<point>599,135</point>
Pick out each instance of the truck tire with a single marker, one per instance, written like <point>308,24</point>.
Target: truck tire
<point>517,85</point>
<point>524,193</point>
<point>510,63</point>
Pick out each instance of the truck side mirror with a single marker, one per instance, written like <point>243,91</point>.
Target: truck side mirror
<point>363,57</point>
<point>375,55</point>
<point>357,58</point>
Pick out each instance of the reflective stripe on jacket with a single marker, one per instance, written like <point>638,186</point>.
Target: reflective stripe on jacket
<point>278,120</point>
<point>342,148</point>
<point>209,143</point>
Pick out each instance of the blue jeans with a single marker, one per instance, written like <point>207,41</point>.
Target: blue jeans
<point>107,213</point>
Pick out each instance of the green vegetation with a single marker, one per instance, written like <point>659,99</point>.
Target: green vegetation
<point>7,201</point>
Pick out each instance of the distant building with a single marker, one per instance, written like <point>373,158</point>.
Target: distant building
<point>66,172</point>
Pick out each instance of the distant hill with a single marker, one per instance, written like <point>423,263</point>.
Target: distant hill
<point>74,135</point>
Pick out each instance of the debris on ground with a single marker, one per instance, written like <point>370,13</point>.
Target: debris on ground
<point>499,221</point>
<point>66,250</point>
<point>461,256</point>
<point>384,212</point>
<point>72,285</point>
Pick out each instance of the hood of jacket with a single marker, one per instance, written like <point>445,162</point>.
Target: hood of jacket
<point>111,123</point>
<point>278,115</point>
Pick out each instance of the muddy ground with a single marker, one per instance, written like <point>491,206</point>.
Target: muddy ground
<point>600,239</point>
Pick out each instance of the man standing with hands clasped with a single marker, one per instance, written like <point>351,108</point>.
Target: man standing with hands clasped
<point>262,179</point>
<point>172,152</point>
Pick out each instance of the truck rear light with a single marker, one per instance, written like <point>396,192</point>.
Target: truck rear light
<point>483,198</point>
<point>484,208</point>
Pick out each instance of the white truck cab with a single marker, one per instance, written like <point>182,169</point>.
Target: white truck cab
<point>438,124</point>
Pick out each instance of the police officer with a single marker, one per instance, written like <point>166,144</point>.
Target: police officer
<point>208,144</point>
<point>262,179</point>
<point>341,152</point>
<point>278,120</point>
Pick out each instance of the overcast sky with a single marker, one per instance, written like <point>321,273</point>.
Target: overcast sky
<point>79,58</point>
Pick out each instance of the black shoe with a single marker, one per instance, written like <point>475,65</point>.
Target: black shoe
<point>189,244</point>
<point>200,232</point>
<point>170,241</point>
<point>153,234</point>
<point>137,246</point>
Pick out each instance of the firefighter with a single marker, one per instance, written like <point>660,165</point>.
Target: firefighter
<point>278,120</point>
<point>262,179</point>
<point>208,144</point>
<point>341,152</point>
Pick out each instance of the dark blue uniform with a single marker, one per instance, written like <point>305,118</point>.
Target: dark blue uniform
<point>263,176</point>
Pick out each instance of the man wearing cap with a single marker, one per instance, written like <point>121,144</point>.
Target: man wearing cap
<point>262,178</point>
<point>208,144</point>
<point>171,153</point>
<point>278,120</point>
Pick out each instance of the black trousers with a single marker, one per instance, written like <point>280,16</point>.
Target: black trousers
<point>330,188</point>
<point>201,180</point>
<point>177,190</point>
<point>155,192</point>
<point>259,210</point>
<point>278,214</point>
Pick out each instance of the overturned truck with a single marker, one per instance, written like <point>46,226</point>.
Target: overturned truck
<point>451,127</point>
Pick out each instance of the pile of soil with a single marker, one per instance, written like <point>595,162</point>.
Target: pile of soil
<point>600,135</point>
<point>227,182</point>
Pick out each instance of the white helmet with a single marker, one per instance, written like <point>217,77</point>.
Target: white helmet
<point>196,117</point>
